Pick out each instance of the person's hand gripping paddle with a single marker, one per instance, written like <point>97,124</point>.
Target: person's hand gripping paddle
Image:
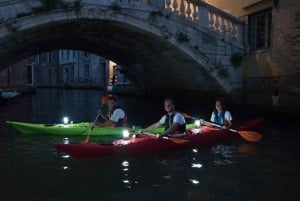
<point>104,100</point>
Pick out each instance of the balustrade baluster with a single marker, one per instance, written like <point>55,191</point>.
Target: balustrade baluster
<point>195,12</point>
<point>175,6</point>
<point>189,10</point>
<point>182,8</point>
<point>234,32</point>
<point>229,29</point>
<point>217,24</point>
<point>168,5</point>
<point>223,26</point>
<point>211,20</point>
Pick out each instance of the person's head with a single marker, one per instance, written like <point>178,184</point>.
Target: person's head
<point>219,104</point>
<point>112,102</point>
<point>169,105</point>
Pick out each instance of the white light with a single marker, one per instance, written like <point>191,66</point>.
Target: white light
<point>125,133</point>
<point>66,140</point>
<point>66,120</point>
<point>194,181</point>
<point>196,165</point>
<point>125,163</point>
<point>197,123</point>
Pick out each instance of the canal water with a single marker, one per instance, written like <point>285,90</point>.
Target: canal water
<point>235,170</point>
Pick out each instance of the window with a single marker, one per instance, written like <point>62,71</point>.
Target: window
<point>86,54</point>
<point>49,74</point>
<point>72,72</point>
<point>38,59</point>
<point>49,58</point>
<point>260,30</point>
<point>29,74</point>
<point>86,72</point>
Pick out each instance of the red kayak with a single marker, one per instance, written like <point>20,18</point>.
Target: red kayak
<point>146,143</point>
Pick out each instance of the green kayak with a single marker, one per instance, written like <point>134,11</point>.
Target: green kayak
<point>82,128</point>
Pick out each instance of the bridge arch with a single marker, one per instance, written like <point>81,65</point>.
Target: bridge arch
<point>154,57</point>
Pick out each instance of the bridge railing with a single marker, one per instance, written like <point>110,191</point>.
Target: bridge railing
<point>196,11</point>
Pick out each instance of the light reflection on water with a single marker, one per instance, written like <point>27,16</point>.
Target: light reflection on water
<point>236,170</point>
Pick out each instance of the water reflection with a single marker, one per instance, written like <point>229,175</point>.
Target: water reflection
<point>224,154</point>
<point>227,171</point>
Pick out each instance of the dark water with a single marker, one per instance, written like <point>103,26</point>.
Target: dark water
<point>228,171</point>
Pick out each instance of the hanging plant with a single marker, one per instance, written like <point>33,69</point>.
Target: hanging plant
<point>154,14</point>
<point>11,24</point>
<point>115,7</point>
<point>181,37</point>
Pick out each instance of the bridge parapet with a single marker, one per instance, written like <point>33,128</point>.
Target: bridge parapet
<point>199,12</point>
<point>209,35</point>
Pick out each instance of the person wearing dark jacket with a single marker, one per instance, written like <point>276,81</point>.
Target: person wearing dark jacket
<point>173,121</point>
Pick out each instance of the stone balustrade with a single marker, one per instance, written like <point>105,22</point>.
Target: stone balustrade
<point>197,11</point>
<point>209,35</point>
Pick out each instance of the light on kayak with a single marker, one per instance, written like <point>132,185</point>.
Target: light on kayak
<point>196,165</point>
<point>194,181</point>
<point>66,140</point>
<point>125,133</point>
<point>197,123</point>
<point>66,120</point>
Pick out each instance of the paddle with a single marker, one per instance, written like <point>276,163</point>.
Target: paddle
<point>175,140</point>
<point>188,116</point>
<point>248,135</point>
<point>104,100</point>
<point>86,140</point>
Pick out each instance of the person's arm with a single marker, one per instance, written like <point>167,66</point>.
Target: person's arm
<point>172,129</point>
<point>152,126</point>
<point>229,124</point>
<point>228,119</point>
<point>156,124</point>
<point>117,114</point>
<point>212,117</point>
<point>100,113</point>
<point>106,124</point>
<point>177,121</point>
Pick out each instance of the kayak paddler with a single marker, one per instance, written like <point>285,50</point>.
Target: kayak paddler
<point>174,121</point>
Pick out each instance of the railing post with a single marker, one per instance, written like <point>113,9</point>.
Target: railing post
<point>203,16</point>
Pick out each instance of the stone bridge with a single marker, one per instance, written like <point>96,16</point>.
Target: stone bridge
<point>163,45</point>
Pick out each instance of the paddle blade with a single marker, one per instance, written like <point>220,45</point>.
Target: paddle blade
<point>250,135</point>
<point>186,115</point>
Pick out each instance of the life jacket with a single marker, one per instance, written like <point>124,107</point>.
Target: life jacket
<point>169,122</point>
<point>220,118</point>
<point>122,122</point>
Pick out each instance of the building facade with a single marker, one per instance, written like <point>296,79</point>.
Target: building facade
<point>271,63</point>
<point>64,68</point>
